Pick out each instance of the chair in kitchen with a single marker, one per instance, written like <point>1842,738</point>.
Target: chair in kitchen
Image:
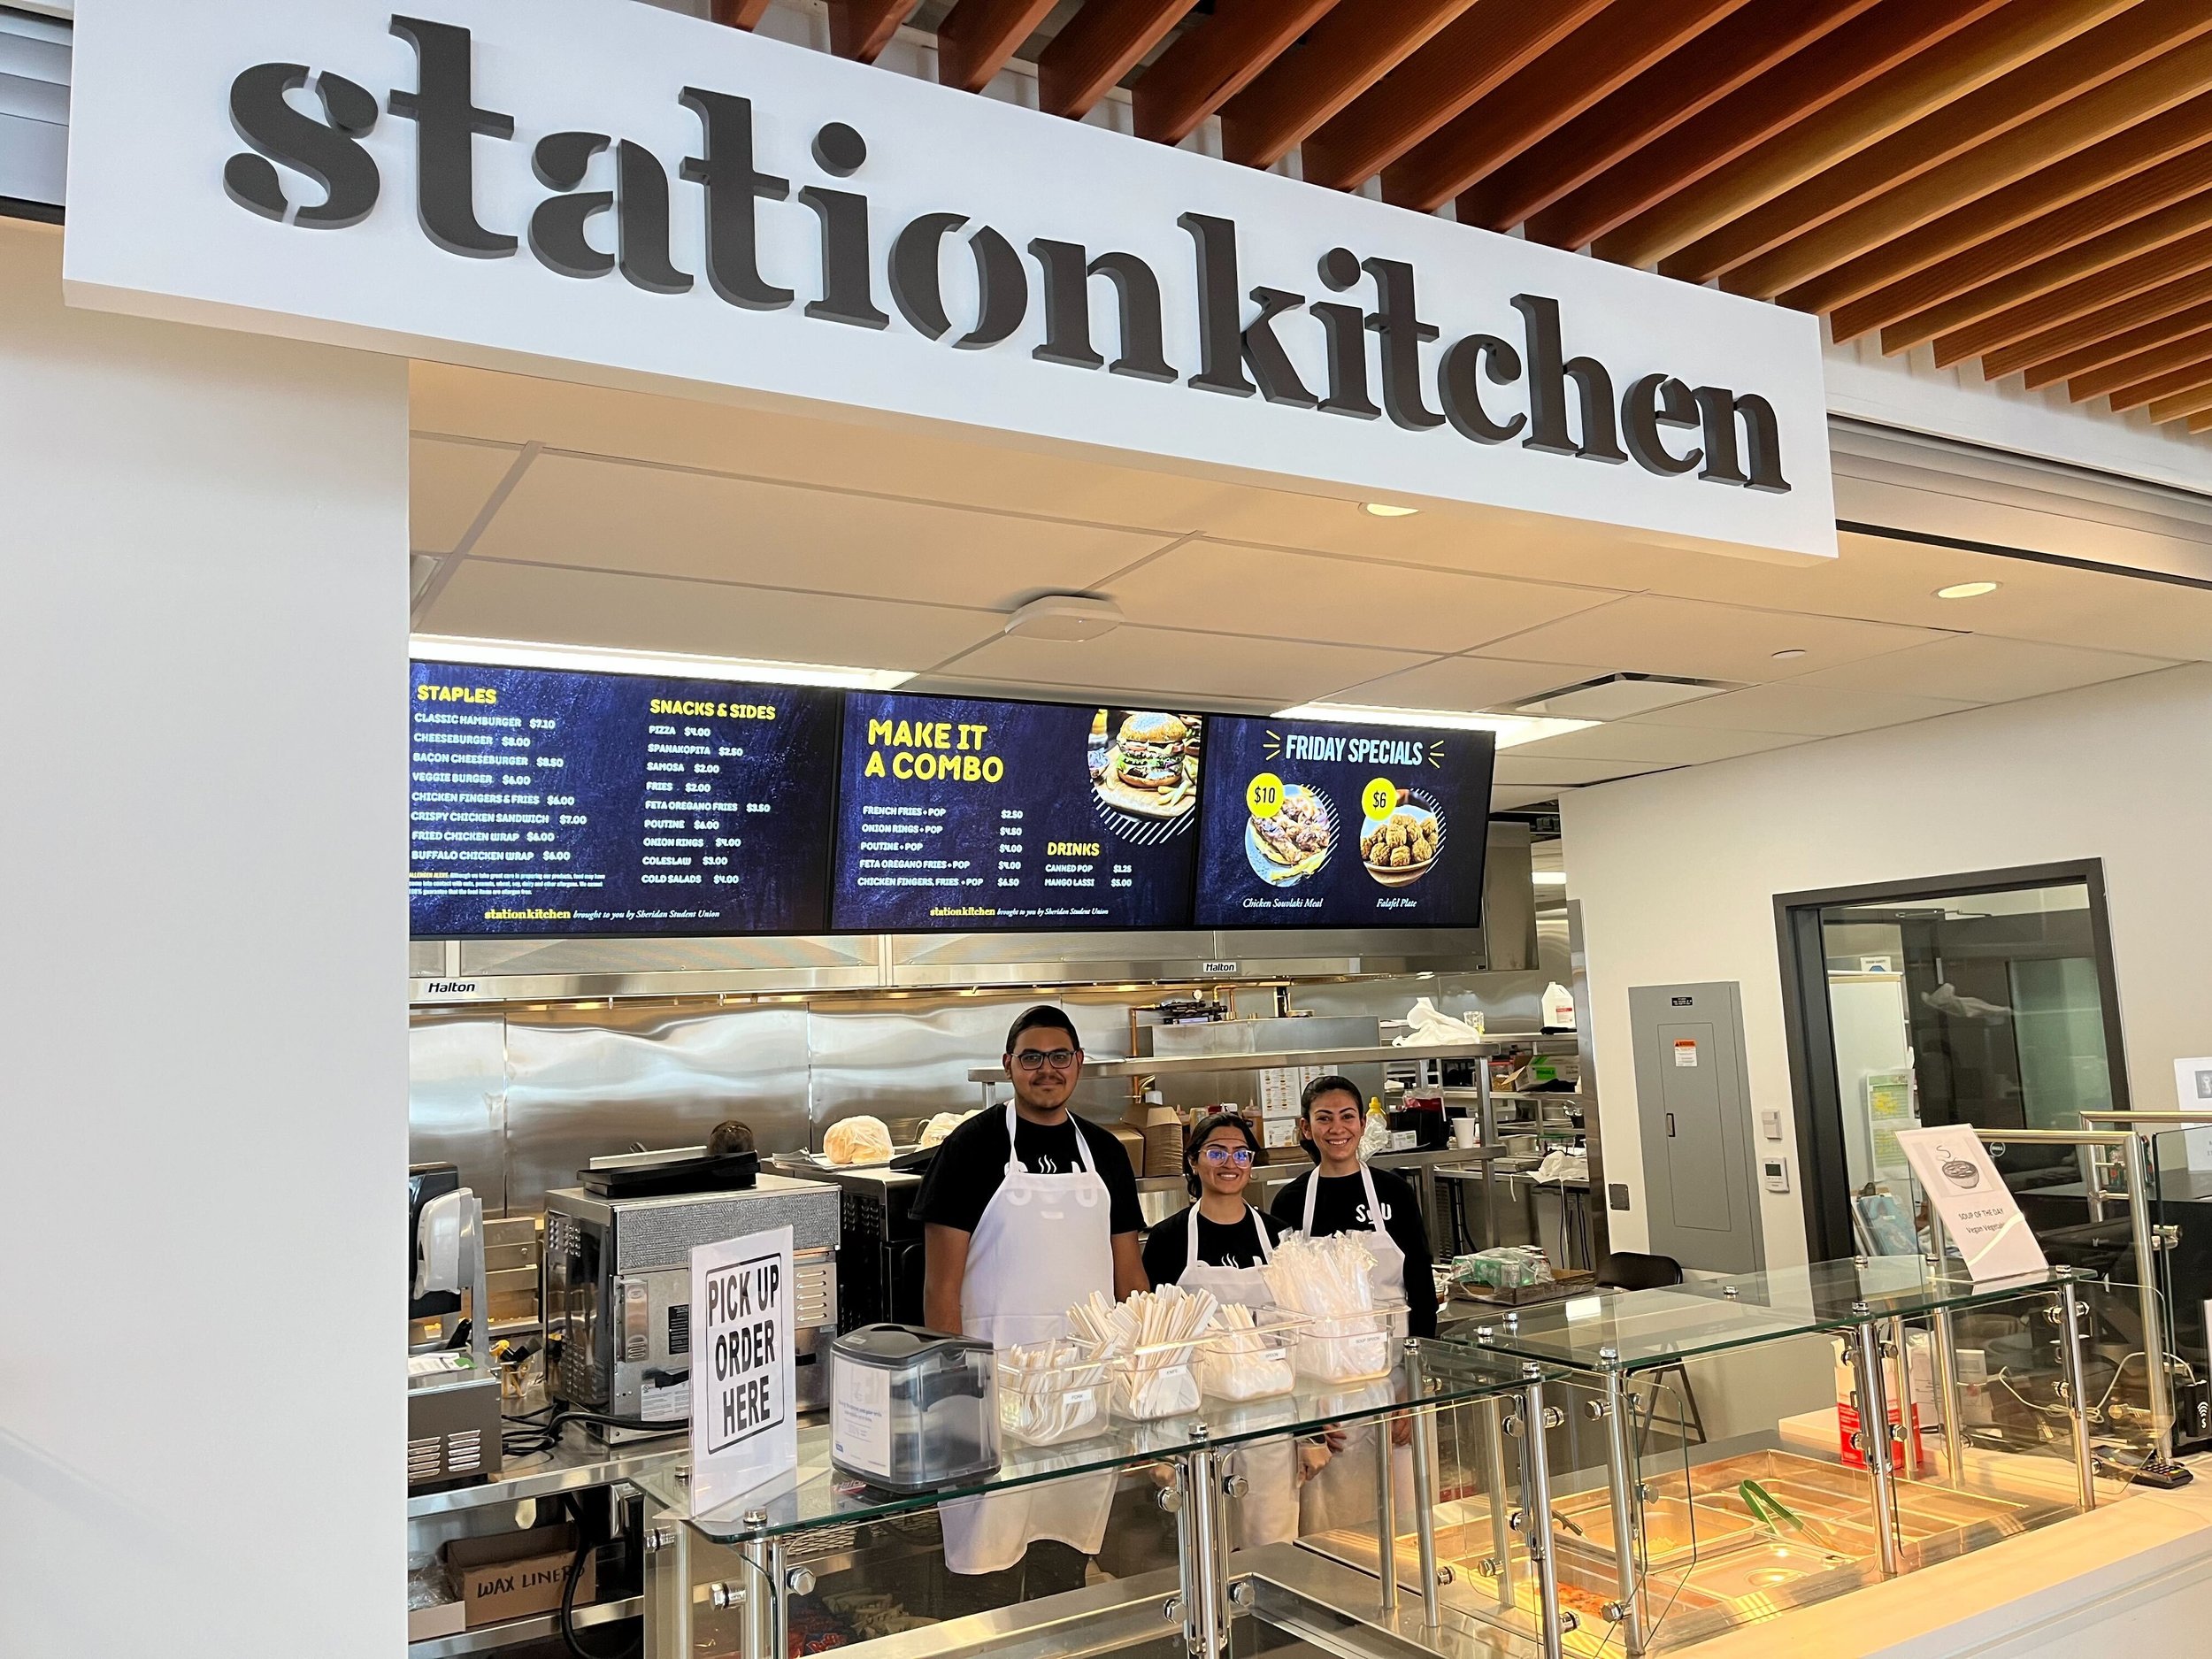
<point>1631,1270</point>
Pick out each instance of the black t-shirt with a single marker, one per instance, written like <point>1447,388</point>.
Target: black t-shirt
<point>971,1165</point>
<point>1342,1206</point>
<point>1167,1246</point>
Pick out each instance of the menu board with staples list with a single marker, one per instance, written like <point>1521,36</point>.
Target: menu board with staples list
<point>961,813</point>
<point>1325,823</point>
<point>554,802</point>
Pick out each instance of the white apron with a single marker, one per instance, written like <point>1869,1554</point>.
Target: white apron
<point>1043,1243</point>
<point>1268,1512</point>
<point>1343,1492</point>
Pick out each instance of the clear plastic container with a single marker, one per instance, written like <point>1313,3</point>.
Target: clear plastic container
<point>1157,1384</point>
<point>1254,1364</point>
<point>1352,1348</point>
<point>1048,1393</point>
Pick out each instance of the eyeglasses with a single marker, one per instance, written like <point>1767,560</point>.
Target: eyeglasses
<point>1059,1059</point>
<point>1241,1156</point>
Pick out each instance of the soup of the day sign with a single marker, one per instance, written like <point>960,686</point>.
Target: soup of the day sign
<point>743,1431</point>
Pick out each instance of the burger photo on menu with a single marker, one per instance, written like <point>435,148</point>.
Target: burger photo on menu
<point>1150,765</point>
<point>1401,847</point>
<point>1291,843</point>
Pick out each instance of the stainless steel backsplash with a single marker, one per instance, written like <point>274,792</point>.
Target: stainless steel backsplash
<point>520,1096</point>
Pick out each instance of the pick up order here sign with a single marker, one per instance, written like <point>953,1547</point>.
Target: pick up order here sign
<point>743,1431</point>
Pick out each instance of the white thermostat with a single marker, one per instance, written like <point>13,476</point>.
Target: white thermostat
<point>1777,1171</point>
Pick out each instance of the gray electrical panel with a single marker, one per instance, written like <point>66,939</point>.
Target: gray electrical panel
<point>1694,1112</point>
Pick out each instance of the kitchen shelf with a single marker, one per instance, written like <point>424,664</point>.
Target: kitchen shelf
<point>1183,1065</point>
<point>572,1466</point>
<point>509,1632</point>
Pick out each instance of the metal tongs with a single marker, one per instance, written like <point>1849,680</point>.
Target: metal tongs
<point>1782,1521</point>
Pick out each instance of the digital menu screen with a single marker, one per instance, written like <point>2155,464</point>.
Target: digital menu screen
<point>956,813</point>
<point>1316,824</point>
<point>556,801</point>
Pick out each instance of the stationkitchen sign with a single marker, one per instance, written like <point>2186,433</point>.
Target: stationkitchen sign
<point>602,191</point>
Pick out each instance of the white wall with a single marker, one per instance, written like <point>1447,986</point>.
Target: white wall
<point>1678,872</point>
<point>203,1014</point>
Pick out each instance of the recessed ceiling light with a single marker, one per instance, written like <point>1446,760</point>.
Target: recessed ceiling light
<point>1387,509</point>
<point>1509,728</point>
<point>1618,697</point>
<point>1966,590</point>
<point>441,648</point>
<point>1790,655</point>
<point>1548,877</point>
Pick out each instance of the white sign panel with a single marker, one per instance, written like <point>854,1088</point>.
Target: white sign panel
<point>744,1424</point>
<point>1976,1207</point>
<point>610,191</point>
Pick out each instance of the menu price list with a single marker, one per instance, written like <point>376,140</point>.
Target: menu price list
<point>1319,824</point>
<point>957,812</point>
<point>559,801</point>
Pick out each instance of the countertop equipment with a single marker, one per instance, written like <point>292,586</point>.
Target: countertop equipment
<point>618,1292</point>
<point>912,1410</point>
<point>452,1391</point>
<point>880,1250</point>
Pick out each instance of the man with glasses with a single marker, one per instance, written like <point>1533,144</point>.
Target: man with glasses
<point>1026,1213</point>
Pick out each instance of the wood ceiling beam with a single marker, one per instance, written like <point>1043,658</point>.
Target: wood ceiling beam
<point>1100,44</point>
<point>1837,64</point>
<point>2201,422</point>
<point>1597,59</point>
<point>1780,244</point>
<point>978,36</point>
<point>2128,151</point>
<point>2110,331</point>
<point>2090,291</point>
<point>2187,378</point>
<point>1651,106</point>
<point>2139,255</point>
<point>1350,49</point>
<point>1470,57</point>
<point>2169,354</point>
<point>1210,65</point>
<point>739,14</point>
<point>2182,405</point>
<point>860,29</point>
<point>1937,73</point>
<point>1987,278</point>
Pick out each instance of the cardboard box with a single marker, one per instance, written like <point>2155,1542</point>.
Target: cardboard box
<point>442,1619</point>
<point>511,1575</point>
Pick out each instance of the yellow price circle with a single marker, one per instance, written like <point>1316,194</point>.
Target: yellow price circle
<point>1264,795</point>
<point>1380,798</point>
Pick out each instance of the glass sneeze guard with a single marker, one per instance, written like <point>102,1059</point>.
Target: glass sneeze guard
<point>1630,1331</point>
<point>816,1495</point>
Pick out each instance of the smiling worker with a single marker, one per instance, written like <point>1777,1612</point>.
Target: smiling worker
<point>1342,1195</point>
<point>1025,1213</point>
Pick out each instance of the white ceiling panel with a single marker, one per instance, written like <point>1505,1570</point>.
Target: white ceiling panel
<point>1270,591</point>
<point>1981,668</point>
<point>1792,706</point>
<point>570,607</point>
<point>1657,635</point>
<point>1171,661</point>
<point>625,516</point>
<point>1513,797</point>
<point>1661,745</point>
<point>1465,683</point>
<point>1513,768</point>
<point>447,485</point>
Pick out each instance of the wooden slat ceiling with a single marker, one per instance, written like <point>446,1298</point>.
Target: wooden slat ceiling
<point>2025,185</point>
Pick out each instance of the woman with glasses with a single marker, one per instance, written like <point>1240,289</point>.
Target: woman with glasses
<point>1221,1244</point>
